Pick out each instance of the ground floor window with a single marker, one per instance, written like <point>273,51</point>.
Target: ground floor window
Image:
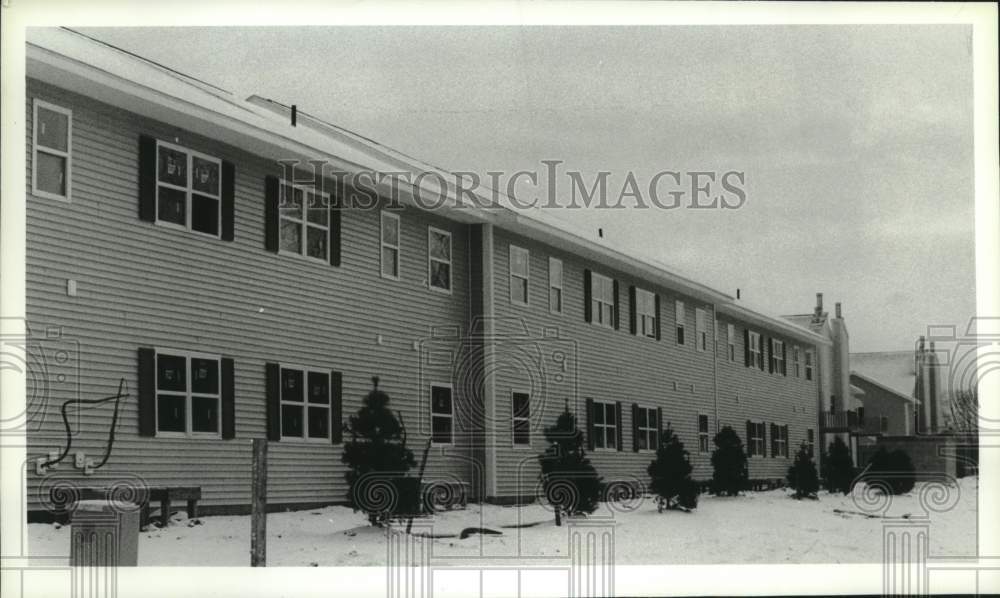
<point>646,428</point>
<point>755,439</point>
<point>305,403</point>
<point>521,410</point>
<point>442,414</point>
<point>605,425</point>
<point>187,393</point>
<point>703,433</point>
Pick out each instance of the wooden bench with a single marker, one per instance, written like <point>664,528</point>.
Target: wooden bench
<point>163,494</point>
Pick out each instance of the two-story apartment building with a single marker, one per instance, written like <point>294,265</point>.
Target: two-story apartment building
<point>165,243</point>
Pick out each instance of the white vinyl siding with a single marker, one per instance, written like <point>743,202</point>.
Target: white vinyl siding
<point>52,144</point>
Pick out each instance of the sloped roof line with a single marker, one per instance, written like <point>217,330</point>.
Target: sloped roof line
<point>873,382</point>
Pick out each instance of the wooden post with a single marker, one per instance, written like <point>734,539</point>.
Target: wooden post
<point>258,505</point>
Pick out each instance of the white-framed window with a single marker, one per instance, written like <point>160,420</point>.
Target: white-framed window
<point>439,259</point>
<point>305,403</point>
<point>520,266</point>
<point>779,441</point>
<point>188,398</point>
<point>188,189</point>
<point>555,285</point>
<point>645,308</point>
<point>389,242</point>
<point>679,316</point>
<point>701,329</point>
<point>304,222</point>
<point>52,143</point>
<point>811,441</point>
<point>602,297</point>
<point>442,414</point>
<point>703,434</point>
<point>731,341</point>
<point>755,443</point>
<point>809,365</point>
<point>605,425</point>
<point>647,429</point>
<point>778,355</point>
<point>755,356</point>
<point>796,362</point>
<point>521,417</point>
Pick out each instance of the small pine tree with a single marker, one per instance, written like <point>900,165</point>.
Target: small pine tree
<point>729,464</point>
<point>893,469</point>
<point>378,444</point>
<point>670,474</point>
<point>570,482</point>
<point>838,468</point>
<point>802,476</point>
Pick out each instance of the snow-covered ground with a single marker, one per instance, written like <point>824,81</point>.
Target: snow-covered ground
<point>758,527</point>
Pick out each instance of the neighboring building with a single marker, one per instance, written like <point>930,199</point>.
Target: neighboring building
<point>162,240</point>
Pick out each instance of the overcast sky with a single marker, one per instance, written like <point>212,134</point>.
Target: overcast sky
<point>856,141</point>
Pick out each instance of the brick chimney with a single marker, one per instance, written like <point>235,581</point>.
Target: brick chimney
<point>818,310</point>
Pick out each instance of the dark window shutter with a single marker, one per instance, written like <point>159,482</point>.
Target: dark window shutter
<point>763,437</point>
<point>147,392</point>
<point>762,353</point>
<point>590,423</point>
<point>228,200</point>
<point>588,315</point>
<point>336,407</point>
<point>659,426</point>
<point>335,222</point>
<point>632,324</point>
<point>750,443</point>
<point>656,305</point>
<point>635,426</point>
<point>618,423</point>
<point>784,359</point>
<point>614,290</point>
<point>147,178</point>
<point>770,355</point>
<point>746,347</point>
<point>272,385</point>
<point>228,399</point>
<point>271,193</point>
<point>774,440</point>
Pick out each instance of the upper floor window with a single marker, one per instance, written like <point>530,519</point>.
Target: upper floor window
<point>701,329</point>
<point>809,365</point>
<point>703,433</point>
<point>442,414</point>
<point>555,285</point>
<point>646,429</point>
<point>521,411</point>
<point>755,356</point>
<point>602,295</point>
<point>519,268</point>
<point>187,394</point>
<point>778,357</point>
<point>645,307</point>
<point>679,316</point>
<point>305,403</point>
<point>605,425</point>
<point>796,362</point>
<point>731,341</point>
<point>52,143</point>
<point>390,245</point>
<point>304,216</point>
<point>439,259</point>
<point>188,189</point>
